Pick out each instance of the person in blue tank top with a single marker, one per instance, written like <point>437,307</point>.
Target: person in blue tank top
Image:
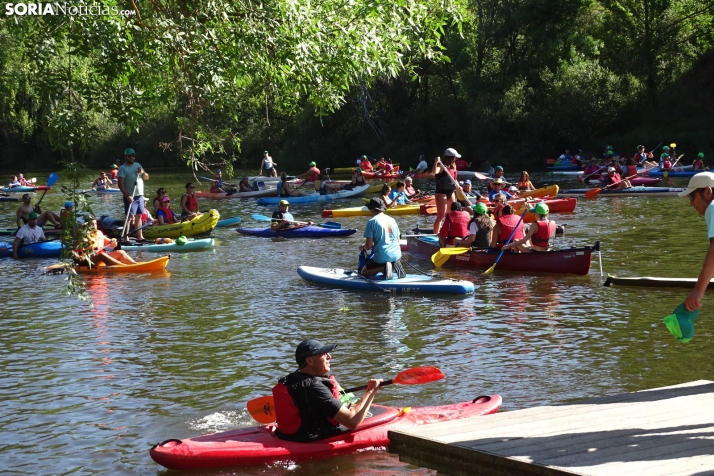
<point>382,237</point>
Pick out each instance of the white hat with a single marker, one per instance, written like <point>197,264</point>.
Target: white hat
<point>701,180</point>
<point>610,169</point>
<point>512,188</point>
<point>451,153</point>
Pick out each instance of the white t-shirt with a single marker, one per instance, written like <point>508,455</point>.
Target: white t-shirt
<point>268,163</point>
<point>30,235</point>
<point>422,165</point>
<point>708,217</point>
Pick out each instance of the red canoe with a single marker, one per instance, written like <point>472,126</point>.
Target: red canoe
<point>569,261</point>
<point>258,445</point>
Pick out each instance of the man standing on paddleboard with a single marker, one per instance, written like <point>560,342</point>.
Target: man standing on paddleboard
<point>131,184</point>
<point>701,196</point>
<point>307,401</point>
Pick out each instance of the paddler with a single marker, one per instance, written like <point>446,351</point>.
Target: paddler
<point>497,187</point>
<point>307,401</point>
<point>540,233</point>
<point>312,173</point>
<point>480,228</point>
<point>399,194</point>
<point>97,242</point>
<point>114,173</point>
<point>28,234</point>
<point>456,226</point>
<point>505,224</point>
<point>21,216</point>
<point>382,237</point>
<point>283,219</point>
<point>165,215</point>
<point>614,181</point>
<point>189,203</point>
<point>701,196</point>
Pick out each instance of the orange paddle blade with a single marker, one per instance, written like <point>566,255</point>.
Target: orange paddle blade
<point>418,375</point>
<point>593,193</point>
<point>262,409</point>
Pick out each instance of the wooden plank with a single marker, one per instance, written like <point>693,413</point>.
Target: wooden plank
<point>654,432</point>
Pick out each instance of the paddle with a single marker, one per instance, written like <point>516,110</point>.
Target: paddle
<point>125,228</point>
<point>490,270</point>
<point>216,180</point>
<point>51,180</point>
<point>665,173</point>
<point>262,409</point>
<point>585,178</point>
<point>328,224</point>
<point>228,222</point>
<point>593,193</point>
<point>443,255</point>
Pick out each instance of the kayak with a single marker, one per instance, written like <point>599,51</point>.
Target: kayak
<point>375,186</point>
<point>380,175</point>
<point>564,167</point>
<point>636,181</point>
<point>467,174</point>
<point>674,173</point>
<point>549,191</point>
<point>20,189</point>
<point>9,199</point>
<point>565,172</point>
<point>559,205</point>
<point>412,283</point>
<point>227,222</point>
<point>650,282</point>
<point>43,249</point>
<point>190,245</point>
<point>567,261</point>
<point>268,192</point>
<point>203,223</point>
<point>258,445</point>
<point>101,192</point>
<point>625,192</point>
<point>415,209</point>
<point>257,178</point>
<point>309,231</point>
<point>145,266</point>
<point>315,197</point>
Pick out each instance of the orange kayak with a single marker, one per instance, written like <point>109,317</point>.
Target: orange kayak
<point>157,264</point>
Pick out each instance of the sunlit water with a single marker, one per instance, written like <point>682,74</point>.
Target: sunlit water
<point>177,354</point>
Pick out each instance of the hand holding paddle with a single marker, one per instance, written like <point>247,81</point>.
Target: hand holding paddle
<point>263,409</point>
<point>596,191</point>
<point>490,270</point>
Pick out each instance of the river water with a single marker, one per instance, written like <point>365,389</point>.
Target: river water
<point>177,354</point>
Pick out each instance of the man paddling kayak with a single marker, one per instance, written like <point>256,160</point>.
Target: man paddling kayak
<point>701,196</point>
<point>307,401</point>
<point>283,219</point>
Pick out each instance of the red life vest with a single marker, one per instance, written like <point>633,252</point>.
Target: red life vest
<point>191,202</point>
<point>546,230</point>
<point>287,414</point>
<point>508,224</point>
<point>456,225</point>
<point>667,165</point>
<point>631,170</point>
<point>168,216</point>
<point>313,173</point>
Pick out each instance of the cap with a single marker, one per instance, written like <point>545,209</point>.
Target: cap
<point>32,216</point>
<point>467,182</point>
<point>451,153</point>
<point>461,182</point>
<point>499,180</point>
<point>312,164</point>
<point>129,151</point>
<point>265,151</point>
<point>640,147</point>
<point>69,204</point>
<point>540,209</point>
<point>364,156</point>
<point>700,154</point>
<point>114,166</point>
<point>480,208</point>
<point>498,168</point>
<point>512,188</point>
<point>407,179</point>
<point>610,169</point>
<point>665,147</point>
<point>309,348</point>
<point>166,199</point>
<point>701,180</point>
<point>376,204</point>
<point>609,147</point>
<point>20,175</point>
<point>284,202</point>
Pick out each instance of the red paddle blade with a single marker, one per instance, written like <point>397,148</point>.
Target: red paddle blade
<point>262,409</point>
<point>593,193</point>
<point>418,375</point>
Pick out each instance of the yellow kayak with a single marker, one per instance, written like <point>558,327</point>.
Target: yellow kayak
<point>549,191</point>
<point>364,211</point>
<point>203,223</point>
<point>157,264</point>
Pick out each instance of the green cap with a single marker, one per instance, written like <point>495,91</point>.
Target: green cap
<point>312,164</point>
<point>265,151</point>
<point>129,151</point>
<point>284,202</point>
<point>640,147</point>
<point>32,216</point>
<point>540,209</point>
<point>499,168</point>
<point>681,323</point>
<point>181,240</point>
<point>480,208</point>
<point>114,166</point>
<point>700,154</point>
<point>665,147</point>
<point>364,156</point>
<point>609,147</point>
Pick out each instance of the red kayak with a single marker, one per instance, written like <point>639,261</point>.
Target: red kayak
<point>258,444</point>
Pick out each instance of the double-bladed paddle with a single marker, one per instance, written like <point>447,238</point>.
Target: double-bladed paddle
<point>263,409</point>
<point>593,193</point>
<point>328,224</point>
<point>216,180</point>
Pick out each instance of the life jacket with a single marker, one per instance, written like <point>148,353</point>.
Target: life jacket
<point>168,216</point>
<point>546,230</point>
<point>631,170</point>
<point>456,225</point>
<point>483,236</point>
<point>191,202</point>
<point>288,415</point>
<point>508,224</point>
<point>366,165</point>
<point>639,158</point>
<point>313,173</point>
<point>667,164</point>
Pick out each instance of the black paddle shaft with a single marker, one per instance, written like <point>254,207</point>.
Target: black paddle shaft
<point>364,387</point>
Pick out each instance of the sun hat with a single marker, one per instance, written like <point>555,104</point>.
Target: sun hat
<point>312,164</point>
<point>376,204</point>
<point>310,348</point>
<point>284,202</point>
<point>32,216</point>
<point>451,153</point>
<point>540,209</point>
<point>129,151</point>
<point>480,208</point>
<point>701,180</point>
<point>499,181</point>
<point>512,188</point>
<point>69,204</point>
<point>681,323</point>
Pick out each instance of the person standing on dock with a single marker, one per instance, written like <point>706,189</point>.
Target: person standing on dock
<point>700,194</point>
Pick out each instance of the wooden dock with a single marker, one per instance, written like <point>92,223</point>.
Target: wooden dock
<point>664,431</point>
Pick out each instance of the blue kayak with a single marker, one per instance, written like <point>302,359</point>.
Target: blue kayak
<point>412,283</point>
<point>304,232</point>
<point>623,192</point>
<point>43,249</point>
<point>315,197</point>
<point>674,173</point>
<point>564,167</point>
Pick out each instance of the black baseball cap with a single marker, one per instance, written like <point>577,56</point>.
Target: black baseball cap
<point>309,348</point>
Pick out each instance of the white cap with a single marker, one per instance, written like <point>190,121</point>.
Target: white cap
<point>512,188</point>
<point>701,180</point>
<point>611,169</point>
<point>451,153</point>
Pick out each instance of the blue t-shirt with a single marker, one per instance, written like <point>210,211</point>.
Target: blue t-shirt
<point>399,197</point>
<point>493,193</point>
<point>709,218</point>
<point>384,231</point>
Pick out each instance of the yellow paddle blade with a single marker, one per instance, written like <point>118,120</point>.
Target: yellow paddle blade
<point>490,270</point>
<point>262,409</point>
<point>439,258</point>
<point>454,251</point>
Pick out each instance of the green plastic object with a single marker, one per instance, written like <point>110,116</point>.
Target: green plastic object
<point>181,240</point>
<point>681,323</point>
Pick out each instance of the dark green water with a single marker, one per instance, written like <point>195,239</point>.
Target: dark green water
<point>178,354</point>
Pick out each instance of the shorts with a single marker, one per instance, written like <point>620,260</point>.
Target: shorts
<point>448,193</point>
<point>137,206</point>
<point>270,170</point>
<point>372,264</point>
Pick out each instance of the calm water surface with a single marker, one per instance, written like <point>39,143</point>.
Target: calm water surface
<point>172,355</point>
